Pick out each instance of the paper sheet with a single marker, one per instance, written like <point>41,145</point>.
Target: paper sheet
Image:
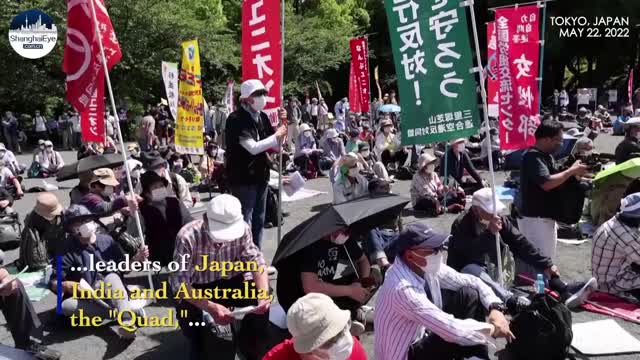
<point>296,182</point>
<point>603,337</point>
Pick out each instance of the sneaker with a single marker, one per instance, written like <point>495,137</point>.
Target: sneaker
<point>516,304</point>
<point>41,352</point>
<point>365,315</point>
<point>271,270</point>
<point>357,328</point>
<point>577,299</point>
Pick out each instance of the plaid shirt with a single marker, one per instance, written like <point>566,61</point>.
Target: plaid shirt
<point>616,247</point>
<point>194,240</point>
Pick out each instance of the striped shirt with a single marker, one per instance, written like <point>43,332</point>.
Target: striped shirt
<point>425,185</point>
<point>404,312</point>
<point>616,247</point>
<point>194,241</point>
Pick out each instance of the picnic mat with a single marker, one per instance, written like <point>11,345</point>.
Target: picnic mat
<point>603,337</point>
<point>611,305</point>
<point>9,353</point>
<point>505,193</point>
<point>35,283</point>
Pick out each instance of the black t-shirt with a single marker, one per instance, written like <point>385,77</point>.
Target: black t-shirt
<point>321,258</point>
<point>536,169</point>
<point>627,149</point>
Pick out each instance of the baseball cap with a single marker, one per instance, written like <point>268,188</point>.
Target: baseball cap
<point>105,176</point>
<point>313,320</point>
<point>224,216</point>
<point>249,87</point>
<point>418,235</point>
<point>483,199</point>
<point>630,206</point>
<point>75,214</point>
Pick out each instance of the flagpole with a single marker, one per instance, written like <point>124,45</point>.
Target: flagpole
<point>488,134</point>
<point>541,69</point>
<point>281,102</point>
<point>136,214</point>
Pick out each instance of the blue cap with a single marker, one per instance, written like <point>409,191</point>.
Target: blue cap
<point>417,235</point>
<point>75,214</point>
<point>630,206</point>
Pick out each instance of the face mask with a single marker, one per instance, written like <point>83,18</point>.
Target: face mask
<point>365,154</point>
<point>177,166</point>
<point>159,194</point>
<point>341,349</point>
<point>41,147</point>
<point>433,263</point>
<point>340,238</point>
<point>87,229</point>
<point>259,102</point>
<point>135,153</point>
<point>484,222</point>
<point>460,147</point>
<point>108,191</point>
<point>336,140</point>
<point>159,171</point>
<point>430,168</point>
<point>307,134</point>
<point>353,172</point>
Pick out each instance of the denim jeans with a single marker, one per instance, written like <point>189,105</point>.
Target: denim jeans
<point>254,202</point>
<point>378,244</point>
<point>480,272</point>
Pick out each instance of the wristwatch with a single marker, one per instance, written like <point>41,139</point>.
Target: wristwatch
<point>497,306</point>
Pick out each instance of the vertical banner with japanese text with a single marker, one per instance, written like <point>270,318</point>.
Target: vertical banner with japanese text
<point>261,49</point>
<point>432,56</point>
<point>354,90</point>
<point>92,117</point>
<point>491,71</point>
<point>518,58</point>
<point>360,66</point>
<point>228,97</point>
<point>170,78</point>
<point>190,121</point>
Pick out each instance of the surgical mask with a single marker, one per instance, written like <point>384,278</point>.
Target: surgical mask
<point>340,238</point>
<point>341,349</point>
<point>365,154</point>
<point>484,222</point>
<point>87,229</point>
<point>460,147</point>
<point>259,102</point>
<point>41,147</point>
<point>159,194</point>
<point>307,134</point>
<point>430,168</point>
<point>433,264</point>
<point>108,191</point>
<point>353,172</point>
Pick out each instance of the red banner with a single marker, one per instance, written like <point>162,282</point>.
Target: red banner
<point>518,51</point>
<point>82,62</point>
<point>491,72</point>
<point>359,97</point>
<point>92,118</point>
<point>630,88</point>
<point>261,44</point>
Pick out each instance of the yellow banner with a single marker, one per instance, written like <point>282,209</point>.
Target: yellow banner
<point>190,122</point>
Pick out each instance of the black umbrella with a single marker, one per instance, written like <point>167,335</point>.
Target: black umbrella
<point>360,214</point>
<point>89,163</point>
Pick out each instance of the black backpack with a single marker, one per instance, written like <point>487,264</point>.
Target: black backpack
<point>542,331</point>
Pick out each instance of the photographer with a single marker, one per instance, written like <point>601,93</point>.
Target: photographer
<point>583,151</point>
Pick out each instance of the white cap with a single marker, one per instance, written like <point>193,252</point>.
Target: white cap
<point>634,121</point>
<point>331,133</point>
<point>483,199</point>
<point>48,143</point>
<point>2,147</point>
<point>249,87</point>
<point>304,127</point>
<point>224,215</point>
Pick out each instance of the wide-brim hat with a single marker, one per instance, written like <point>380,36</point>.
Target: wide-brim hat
<point>425,159</point>
<point>105,176</point>
<point>303,128</point>
<point>224,218</point>
<point>48,206</point>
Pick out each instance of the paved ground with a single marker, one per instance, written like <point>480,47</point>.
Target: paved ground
<point>163,343</point>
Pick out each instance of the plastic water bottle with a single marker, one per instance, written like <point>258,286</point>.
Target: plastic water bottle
<point>539,284</point>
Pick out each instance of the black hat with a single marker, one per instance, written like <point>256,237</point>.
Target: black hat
<point>75,214</point>
<point>149,178</point>
<point>362,146</point>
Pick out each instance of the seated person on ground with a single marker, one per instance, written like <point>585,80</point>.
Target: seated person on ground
<point>317,270</point>
<point>212,165</point>
<point>320,330</point>
<point>42,228</point>
<point>457,161</point>
<point>615,259</point>
<point>221,235</point>
<point>10,182</point>
<point>84,243</point>
<point>50,160</point>
<point>100,199</point>
<point>428,193</point>
<point>354,140</point>
<point>178,186</point>
<point>349,183</point>
<point>380,239</point>
<point>494,142</point>
<point>427,310</point>
<point>332,147</point>
<point>22,320</point>
<point>472,250</point>
<point>306,150</point>
<point>9,159</point>
<point>388,147</point>
<point>372,167</point>
<point>629,147</point>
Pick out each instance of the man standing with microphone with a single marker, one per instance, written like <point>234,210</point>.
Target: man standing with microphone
<point>250,138</point>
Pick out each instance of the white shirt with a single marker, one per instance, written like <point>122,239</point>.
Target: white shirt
<point>75,123</point>
<point>344,190</point>
<point>110,121</point>
<point>9,160</point>
<point>314,110</point>
<point>5,176</point>
<point>46,159</point>
<point>40,124</point>
<point>404,312</point>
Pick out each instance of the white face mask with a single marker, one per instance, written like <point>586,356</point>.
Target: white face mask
<point>159,194</point>
<point>108,191</point>
<point>259,102</point>
<point>460,147</point>
<point>308,134</point>
<point>341,349</point>
<point>365,154</point>
<point>433,264</point>
<point>41,147</point>
<point>484,222</point>
<point>430,168</point>
<point>340,238</point>
<point>87,229</point>
<point>353,172</point>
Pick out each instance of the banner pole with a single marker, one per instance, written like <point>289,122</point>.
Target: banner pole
<point>541,69</point>
<point>281,102</point>
<point>136,214</point>
<point>446,175</point>
<point>485,111</point>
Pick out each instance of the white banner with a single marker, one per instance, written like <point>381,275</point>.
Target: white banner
<point>228,97</point>
<point>613,96</point>
<point>170,78</point>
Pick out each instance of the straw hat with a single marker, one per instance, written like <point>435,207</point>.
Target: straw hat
<point>425,159</point>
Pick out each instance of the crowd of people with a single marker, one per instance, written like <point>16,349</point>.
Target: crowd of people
<point>437,295</point>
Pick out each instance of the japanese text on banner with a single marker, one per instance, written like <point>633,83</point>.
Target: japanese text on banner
<point>430,43</point>
<point>170,78</point>
<point>92,118</point>
<point>518,45</point>
<point>261,46</point>
<point>190,120</point>
<point>491,71</point>
<point>359,99</point>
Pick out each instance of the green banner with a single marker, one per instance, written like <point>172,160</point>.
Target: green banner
<point>433,61</point>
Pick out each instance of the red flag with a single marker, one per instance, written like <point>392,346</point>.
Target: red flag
<point>518,58</point>
<point>261,57</point>
<point>630,88</point>
<point>491,72</point>
<point>359,101</point>
<point>82,61</point>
